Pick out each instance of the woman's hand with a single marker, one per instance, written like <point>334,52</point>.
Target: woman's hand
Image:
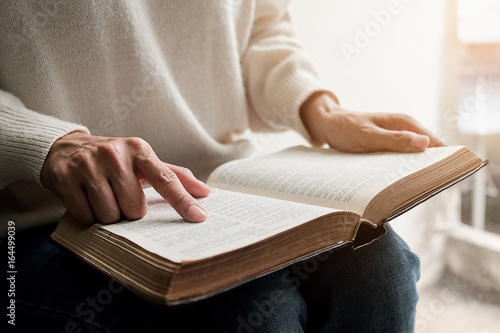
<point>99,179</point>
<point>328,123</point>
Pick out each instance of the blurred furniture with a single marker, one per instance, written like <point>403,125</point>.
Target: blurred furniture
<point>479,109</point>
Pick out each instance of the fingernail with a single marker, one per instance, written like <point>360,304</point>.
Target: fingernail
<point>420,141</point>
<point>197,214</point>
<point>204,185</point>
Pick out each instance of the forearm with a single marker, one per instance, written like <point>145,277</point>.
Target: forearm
<point>26,138</point>
<point>278,75</point>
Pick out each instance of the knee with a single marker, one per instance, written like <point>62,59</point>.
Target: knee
<point>400,263</point>
<point>391,264</point>
<point>390,271</point>
<point>382,282</point>
<point>371,289</point>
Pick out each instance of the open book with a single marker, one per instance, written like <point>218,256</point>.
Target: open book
<point>264,214</point>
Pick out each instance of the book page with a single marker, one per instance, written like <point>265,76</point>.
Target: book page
<point>234,220</point>
<point>323,177</point>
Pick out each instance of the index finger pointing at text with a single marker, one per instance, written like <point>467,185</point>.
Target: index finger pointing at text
<point>168,185</point>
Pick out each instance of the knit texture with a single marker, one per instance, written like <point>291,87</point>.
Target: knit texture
<point>185,75</point>
<point>25,144</point>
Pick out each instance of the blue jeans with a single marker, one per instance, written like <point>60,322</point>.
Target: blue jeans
<point>372,289</point>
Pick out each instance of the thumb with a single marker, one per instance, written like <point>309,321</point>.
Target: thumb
<point>400,141</point>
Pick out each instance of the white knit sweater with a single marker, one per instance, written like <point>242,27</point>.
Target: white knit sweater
<point>188,76</point>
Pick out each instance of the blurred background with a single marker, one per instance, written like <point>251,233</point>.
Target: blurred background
<point>439,61</point>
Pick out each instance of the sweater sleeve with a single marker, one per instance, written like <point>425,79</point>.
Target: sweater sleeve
<point>25,139</point>
<point>278,74</point>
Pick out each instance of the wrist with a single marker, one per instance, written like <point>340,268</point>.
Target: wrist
<point>315,113</point>
<point>62,146</point>
<point>73,137</point>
